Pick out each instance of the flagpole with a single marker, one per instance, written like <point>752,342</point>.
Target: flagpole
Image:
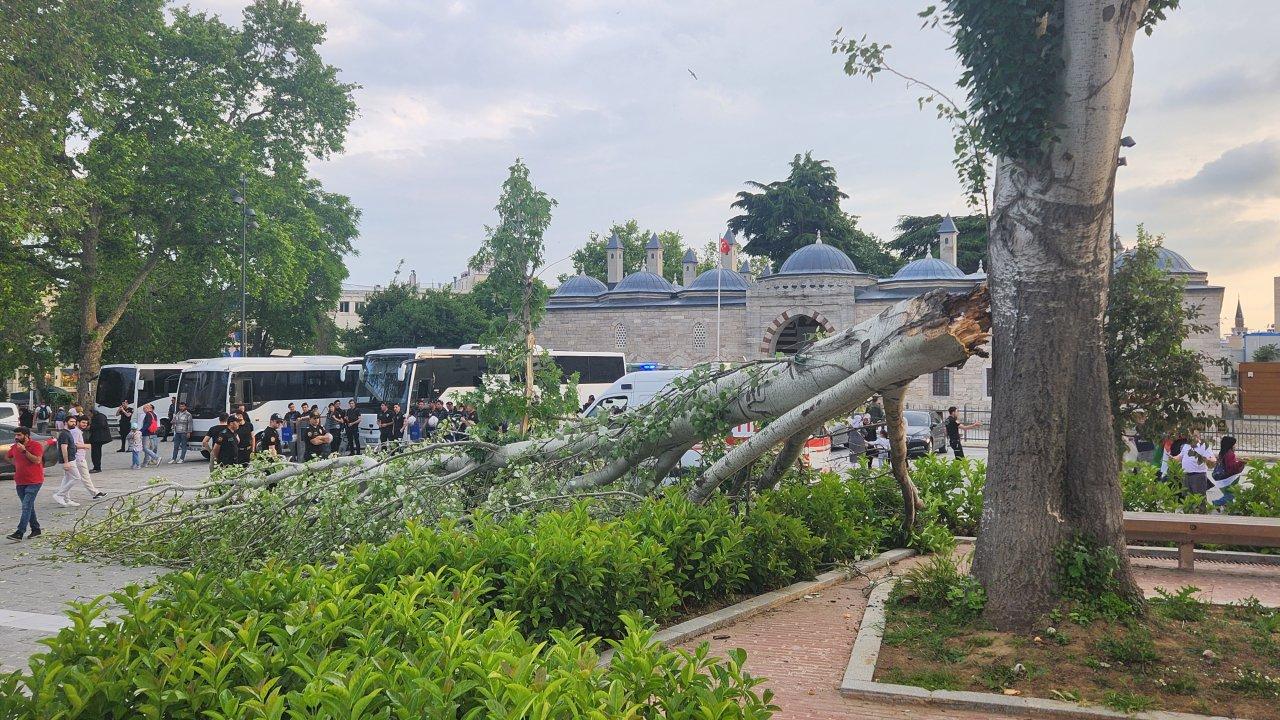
<point>718,276</point>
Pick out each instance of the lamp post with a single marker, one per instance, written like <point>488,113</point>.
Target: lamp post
<point>247,223</point>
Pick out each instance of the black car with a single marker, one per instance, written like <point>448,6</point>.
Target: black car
<point>925,434</point>
<point>6,440</point>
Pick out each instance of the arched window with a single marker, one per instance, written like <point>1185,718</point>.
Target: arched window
<point>699,337</point>
<point>798,332</point>
<point>619,336</point>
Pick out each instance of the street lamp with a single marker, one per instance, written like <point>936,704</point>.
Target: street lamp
<point>247,223</point>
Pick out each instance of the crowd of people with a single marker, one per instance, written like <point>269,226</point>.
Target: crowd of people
<point>1204,468</point>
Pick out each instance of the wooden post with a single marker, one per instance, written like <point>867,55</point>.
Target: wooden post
<point>1186,556</point>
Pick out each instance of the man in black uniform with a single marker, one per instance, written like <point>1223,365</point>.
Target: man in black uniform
<point>269,438</point>
<point>226,444</point>
<point>244,439</point>
<point>315,439</point>
<point>384,424</point>
<point>245,422</point>
<point>954,426</point>
<point>397,422</point>
<point>352,427</point>
<point>292,414</point>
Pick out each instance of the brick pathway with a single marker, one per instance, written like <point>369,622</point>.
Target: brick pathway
<point>803,647</point>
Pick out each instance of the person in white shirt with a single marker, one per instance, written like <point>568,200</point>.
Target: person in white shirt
<point>1196,458</point>
<point>78,431</point>
<point>881,446</point>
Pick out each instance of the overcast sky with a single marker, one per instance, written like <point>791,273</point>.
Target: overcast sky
<point>601,101</point>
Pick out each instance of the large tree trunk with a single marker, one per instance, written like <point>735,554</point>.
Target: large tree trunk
<point>1052,471</point>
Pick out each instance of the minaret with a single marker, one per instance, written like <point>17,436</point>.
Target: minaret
<point>690,267</point>
<point>745,270</point>
<point>1239,328</point>
<point>729,260</point>
<point>613,260</point>
<point>653,255</point>
<point>948,240</point>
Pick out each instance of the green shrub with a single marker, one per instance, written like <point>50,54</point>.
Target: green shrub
<point>1133,647</point>
<point>1144,491</point>
<point>780,550</point>
<point>1088,574</point>
<point>313,642</point>
<point>1262,497</point>
<point>841,513</point>
<point>939,583</point>
<point>705,545</point>
<point>951,490</point>
<point>1181,605</point>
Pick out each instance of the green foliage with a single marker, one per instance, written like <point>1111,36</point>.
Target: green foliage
<point>1088,575</point>
<point>786,215</point>
<point>928,679</point>
<point>313,642</point>
<point>1153,375</point>
<point>918,237</point>
<point>1252,681</point>
<point>939,583</point>
<point>705,545</point>
<point>591,259</point>
<point>840,513</point>
<point>1127,702</point>
<point>951,490</point>
<point>404,316</point>
<point>1181,604</point>
<point>780,550</point>
<point>1144,491</point>
<point>1267,353</point>
<point>1133,646</point>
<point>1261,498</point>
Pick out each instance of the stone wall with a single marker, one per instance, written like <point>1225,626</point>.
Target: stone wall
<point>680,336</point>
<point>776,299</point>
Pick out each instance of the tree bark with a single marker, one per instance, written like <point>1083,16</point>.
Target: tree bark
<point>896,427</point>
<point>1052,469</point>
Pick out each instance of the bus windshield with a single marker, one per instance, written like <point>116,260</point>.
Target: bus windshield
<point>204,392</point>
<point>115,385</point>
<point>378,382</point>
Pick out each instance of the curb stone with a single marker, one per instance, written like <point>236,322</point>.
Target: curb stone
<point>753,606</point>
<point>858,683</point>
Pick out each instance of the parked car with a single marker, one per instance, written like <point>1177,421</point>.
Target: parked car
<point>925,433</point>
<point>6,440</point>
<point>9,413</point>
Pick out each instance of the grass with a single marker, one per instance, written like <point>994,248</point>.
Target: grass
<point>1127,702</point>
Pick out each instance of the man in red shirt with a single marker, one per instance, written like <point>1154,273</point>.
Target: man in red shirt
<point>27,456</point>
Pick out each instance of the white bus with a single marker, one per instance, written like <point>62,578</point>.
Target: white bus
<point>402,375</point>
<point>139,384</point>
<point>266,386</point>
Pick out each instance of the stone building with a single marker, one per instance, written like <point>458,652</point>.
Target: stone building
<point>725,313</point>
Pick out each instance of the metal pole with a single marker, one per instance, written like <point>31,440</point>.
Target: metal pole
<point>244,231</point>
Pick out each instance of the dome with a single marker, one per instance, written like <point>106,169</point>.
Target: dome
<point>928,268</point>
<point>818,258</point>
<point>728,280</point>
<point>580,286</point>
<point>1167,260</point>
<point>643,282</point>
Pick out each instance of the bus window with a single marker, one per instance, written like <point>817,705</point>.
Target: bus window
<point>115,385</point>
<point>157,384</point>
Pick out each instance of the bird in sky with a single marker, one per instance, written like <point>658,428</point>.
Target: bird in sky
<point>695,77</point>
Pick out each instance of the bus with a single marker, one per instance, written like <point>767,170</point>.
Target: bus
<point>402,375</point>
<point>266,386</point>
<point>139,384</point>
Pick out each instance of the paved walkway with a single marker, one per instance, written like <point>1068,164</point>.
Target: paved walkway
<point>803,646</point>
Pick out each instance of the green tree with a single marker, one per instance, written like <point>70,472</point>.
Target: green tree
<point>1267,353</point>
<point>918,237</point>
<point>590,259</point>
<point>515,249</point>
<point>404,316</point>
<point>137,121</point>
<point>1154,376</point>
<point>785,215</point>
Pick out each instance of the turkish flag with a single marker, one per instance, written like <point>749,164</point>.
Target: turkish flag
<point>724,246</point>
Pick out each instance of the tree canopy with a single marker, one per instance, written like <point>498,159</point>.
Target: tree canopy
<point>590,259</point>
<point>783,216</point>
<point>401,315</point>
<point>1153,375</point>
<point>918,237</point>
<point>1267,353</point>
<point>131,124</point>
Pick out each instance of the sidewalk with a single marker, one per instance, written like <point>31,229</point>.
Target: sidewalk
<point>803,647</point>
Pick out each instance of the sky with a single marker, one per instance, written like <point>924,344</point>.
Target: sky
<point>661,110</point>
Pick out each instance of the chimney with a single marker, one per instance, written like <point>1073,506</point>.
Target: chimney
<point>690,267</point>
<point>653,255</point>
<point>948,240</point>
<point>613,260</point>
<point>729,261</point>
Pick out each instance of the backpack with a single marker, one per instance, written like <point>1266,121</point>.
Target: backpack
<point>42,412</point>
<point>154,425</point>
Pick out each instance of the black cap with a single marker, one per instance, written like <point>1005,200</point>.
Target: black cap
<point>275,417</point>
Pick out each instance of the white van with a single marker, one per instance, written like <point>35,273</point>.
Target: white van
<point>633,390</point>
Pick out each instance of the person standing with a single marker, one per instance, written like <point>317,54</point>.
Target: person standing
<point>181,425</point>
<point>27,457</point>
<point>1227,471</point>
<point>384,424</point>
<point>397,422</point>
<point>876,410</point>
<point>334,418</point>
<point>80,433</point>
<point>291,415</point>
<point>213,436</point>
<point>268,441</point>
<point>60,418</point>
<point>149,424</point>
<point>99,435</point>
<point>315,440</point>
<point>245,441</point>
<point>226,447</point>
<point>1196,458</point>
<point>124,414</point>
<point>353,428</point>
<point>954,426</point>
<point>243,412</point>
<point>70,473</point>
<point>26,418</point>
<point>136,448</point>
<point>44,415</point>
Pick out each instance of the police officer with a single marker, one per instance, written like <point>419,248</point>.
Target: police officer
<point>268,440</point>
<point>385,419</point>
<point>352,426</point>
<point>315,439</point>
<point>226,444</point>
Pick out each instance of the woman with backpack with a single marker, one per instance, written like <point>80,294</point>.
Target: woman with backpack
<point>1228,470</point>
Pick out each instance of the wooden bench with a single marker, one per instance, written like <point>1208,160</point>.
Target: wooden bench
<point>1190,530</point>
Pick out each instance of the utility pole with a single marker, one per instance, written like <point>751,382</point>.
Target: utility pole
<point>247,222</point>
